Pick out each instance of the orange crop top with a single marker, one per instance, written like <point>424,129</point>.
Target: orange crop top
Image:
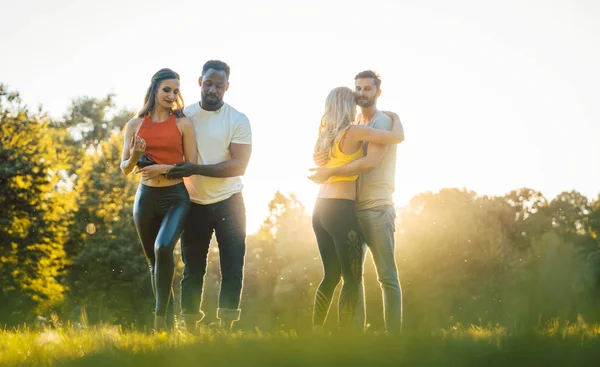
<point>164,143</point>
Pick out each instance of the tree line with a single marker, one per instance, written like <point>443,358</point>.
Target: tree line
<point>69,247</point>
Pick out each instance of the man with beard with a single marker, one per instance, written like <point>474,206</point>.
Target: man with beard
<point>224,146</point>
<point>374,202</point>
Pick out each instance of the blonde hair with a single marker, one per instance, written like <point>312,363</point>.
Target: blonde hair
<point>340,112</point>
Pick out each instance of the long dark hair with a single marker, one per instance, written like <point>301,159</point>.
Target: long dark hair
<point>150,100</point>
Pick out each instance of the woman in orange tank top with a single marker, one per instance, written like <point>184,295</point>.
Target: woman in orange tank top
<point>336,227</point>
<point>155,141</point>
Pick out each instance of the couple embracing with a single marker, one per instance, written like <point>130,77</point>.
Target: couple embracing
<point>356,155</point>
<point>210,143</point>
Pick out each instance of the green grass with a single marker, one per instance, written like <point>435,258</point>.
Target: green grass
<point>555,344</point>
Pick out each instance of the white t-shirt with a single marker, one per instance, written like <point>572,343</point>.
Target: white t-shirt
<point>215,131</point>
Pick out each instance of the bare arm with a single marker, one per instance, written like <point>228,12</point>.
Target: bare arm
<point>133,147</point>
<point>236,166</point>
<point>364,164</point>
<point>190,149</point>
<point>374,155</point>
<point>376,149</point>
<point>378,136</point>
<point>240,150</point>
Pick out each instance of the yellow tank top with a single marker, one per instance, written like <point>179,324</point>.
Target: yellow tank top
<point>338,158</point>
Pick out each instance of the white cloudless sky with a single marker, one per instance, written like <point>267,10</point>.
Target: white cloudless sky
<point>493,95</point>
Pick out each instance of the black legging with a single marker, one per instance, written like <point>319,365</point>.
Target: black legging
<point>341,247</point>
<point>159,215</point>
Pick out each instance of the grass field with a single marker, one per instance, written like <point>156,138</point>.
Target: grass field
<point>554,344</point>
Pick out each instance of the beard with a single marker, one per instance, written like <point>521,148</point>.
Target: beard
<point>365,101</point>
<point>211,100</point>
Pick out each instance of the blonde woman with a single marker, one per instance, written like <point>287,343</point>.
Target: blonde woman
<point>336,227</point>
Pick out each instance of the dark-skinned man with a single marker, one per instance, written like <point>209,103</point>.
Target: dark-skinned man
<point>224,141</point>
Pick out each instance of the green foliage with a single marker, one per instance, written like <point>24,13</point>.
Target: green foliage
<point>88,122</point>
<point>67,230</point>
<point>35,212</point>
<point>282,267</point>
<point>91,120</point>
<point>508,259</point>
<point>110,275</point>
<point>462,258</point>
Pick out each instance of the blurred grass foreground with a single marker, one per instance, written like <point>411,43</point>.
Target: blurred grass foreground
<point>552,344</point>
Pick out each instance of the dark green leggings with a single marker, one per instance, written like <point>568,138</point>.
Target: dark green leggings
<point>342,248</point>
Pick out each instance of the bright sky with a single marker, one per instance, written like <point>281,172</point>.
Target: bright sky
<point>493,95</point>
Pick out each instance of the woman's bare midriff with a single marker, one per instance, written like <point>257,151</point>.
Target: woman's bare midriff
<point>160,181</point>
<point>338,190</point>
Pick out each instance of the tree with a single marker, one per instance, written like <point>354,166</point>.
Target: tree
<point>531,216</point>
<point>35,212</point>
<point>282,267</point>
<point>570,212</point>
<point>594,220</point>
<point>88,122</point>
<point>110,275</point>
<point>91,120</point>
